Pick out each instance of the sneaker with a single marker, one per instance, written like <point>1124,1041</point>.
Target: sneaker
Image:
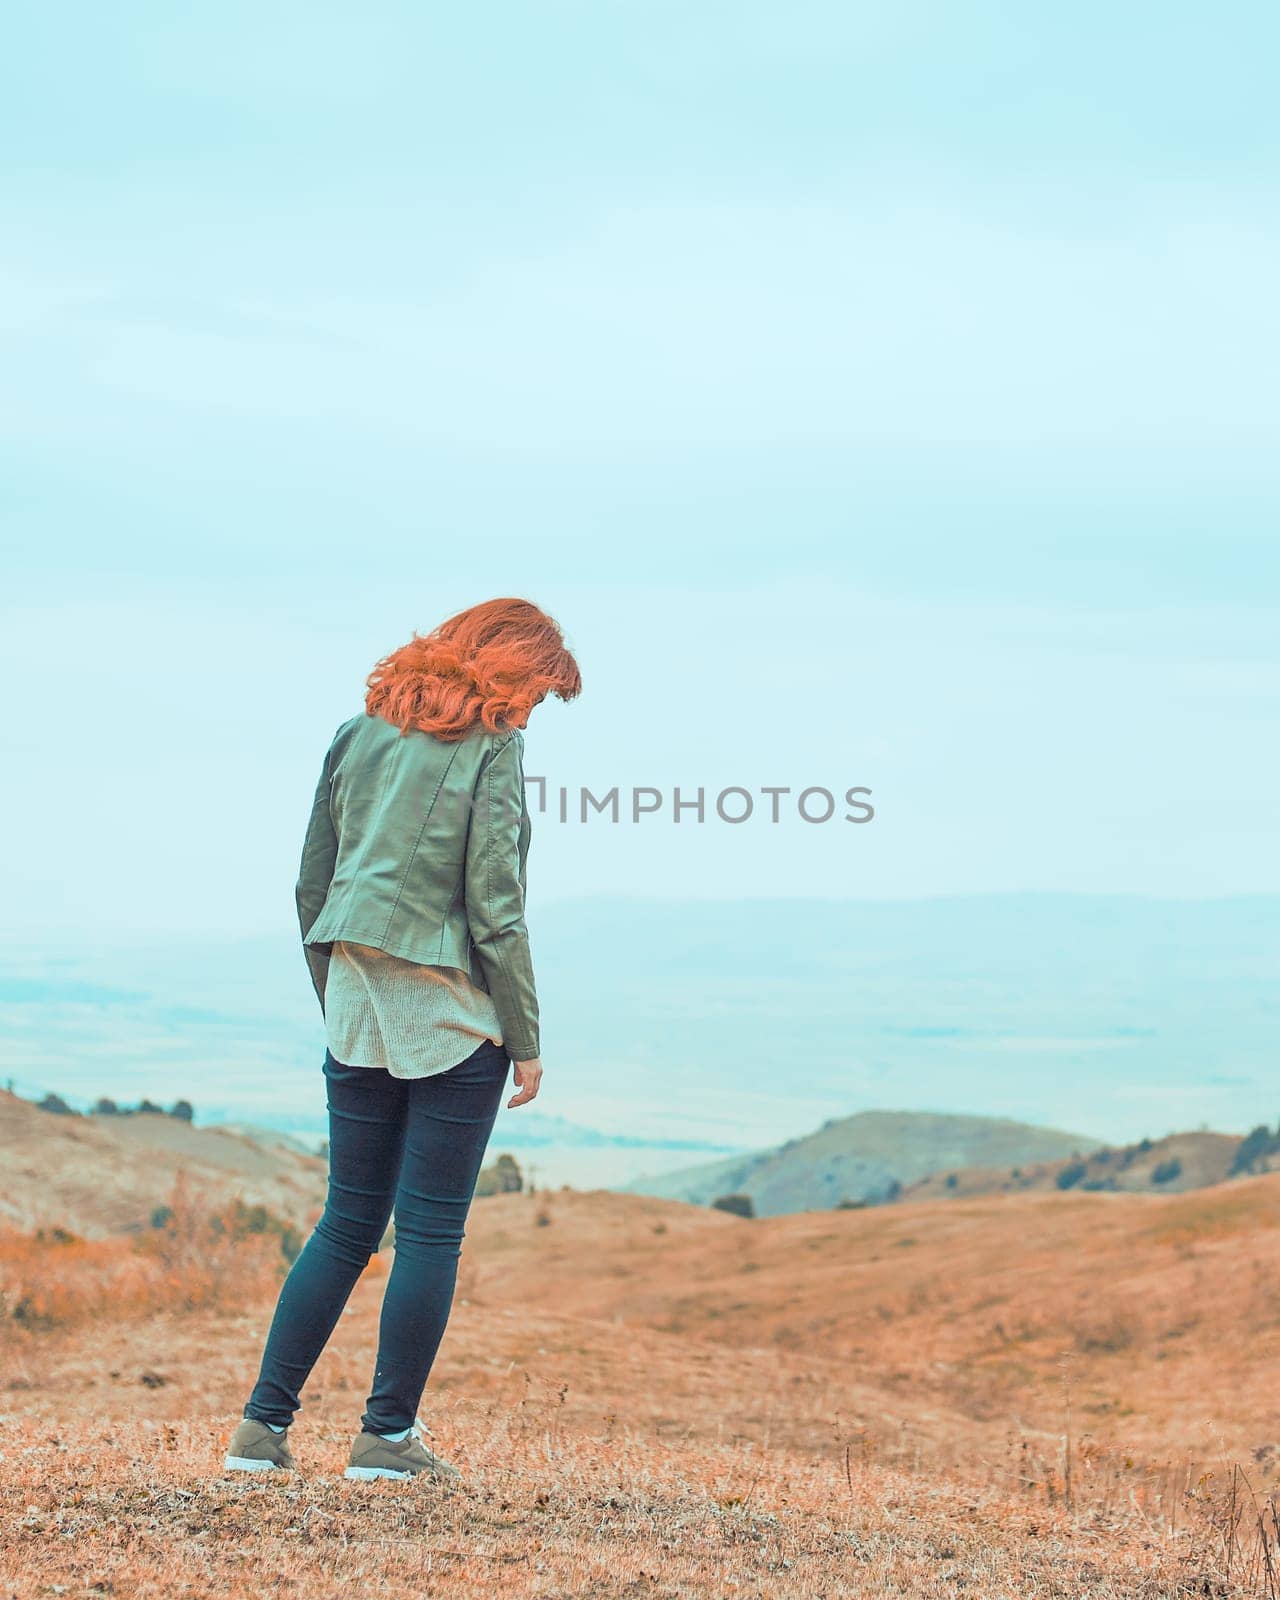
<point>372,1456</point>
<point>255,1447</point>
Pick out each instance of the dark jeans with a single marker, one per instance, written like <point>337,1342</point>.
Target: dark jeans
<point>408,1146</point>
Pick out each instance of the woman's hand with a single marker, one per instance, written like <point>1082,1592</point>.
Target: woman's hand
<point>528,1076</point>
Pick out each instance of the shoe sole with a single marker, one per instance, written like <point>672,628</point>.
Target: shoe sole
<point>366,1474</point>
<point>252,1464</point>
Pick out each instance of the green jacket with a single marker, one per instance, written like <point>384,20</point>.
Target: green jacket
<point>418,847</point>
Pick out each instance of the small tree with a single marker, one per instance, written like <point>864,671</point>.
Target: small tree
<point>105,1106</point>
<point>1070,1175</point>
<point>511,1179</point>
<point>737,1205</point>
<point>57,1105</point>
<point>1167,1171</point>
<point>183,1110</point>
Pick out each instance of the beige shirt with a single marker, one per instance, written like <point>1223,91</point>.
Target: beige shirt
<point>383,1011</point>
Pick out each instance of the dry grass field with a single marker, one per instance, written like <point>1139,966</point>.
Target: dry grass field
<point>1033,1395</point>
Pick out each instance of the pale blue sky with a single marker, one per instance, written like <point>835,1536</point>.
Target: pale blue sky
<point>878,396</point>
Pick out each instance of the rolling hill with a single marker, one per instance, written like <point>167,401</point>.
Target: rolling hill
<point>99,1175</point>
<point>870,1156</point>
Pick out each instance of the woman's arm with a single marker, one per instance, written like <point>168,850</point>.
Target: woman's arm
<point>315,874</point>
<point>495,898</point>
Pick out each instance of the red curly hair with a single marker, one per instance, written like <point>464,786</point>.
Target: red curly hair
<point>489,665</point>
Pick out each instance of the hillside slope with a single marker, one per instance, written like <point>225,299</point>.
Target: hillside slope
<point>1171,1165</point>
<point>98,1175</point>
<point>1160,1312</point>
<point>863,1157</point>
<point>1043,1393</point>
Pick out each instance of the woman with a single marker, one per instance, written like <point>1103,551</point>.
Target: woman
<point>411,899</point>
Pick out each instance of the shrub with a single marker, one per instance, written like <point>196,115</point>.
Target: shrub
<point>183,1110</point>
<point>207,1253</point>
<point>57,1105</point>
<point>105,1106</point>
<point>502,1176</point>
<point>1253,1147</point>
<point>1167,1171</point>
<point>1070,1175</point>
<point>193,1255</point>
<point>953,1179</point>
<point>737,1205</point>
<point>850,1205</point>
<point>1113,1331</point>
<point>240,1220</point>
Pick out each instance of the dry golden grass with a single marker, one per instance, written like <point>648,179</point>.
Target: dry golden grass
<point>206,1252</point>
<point>113,1483</point>
<point>1155,1319</point>
<point>652,1400</point>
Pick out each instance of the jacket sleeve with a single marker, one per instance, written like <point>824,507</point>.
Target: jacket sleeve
<point>315,874</point>
<point>495,897</point>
